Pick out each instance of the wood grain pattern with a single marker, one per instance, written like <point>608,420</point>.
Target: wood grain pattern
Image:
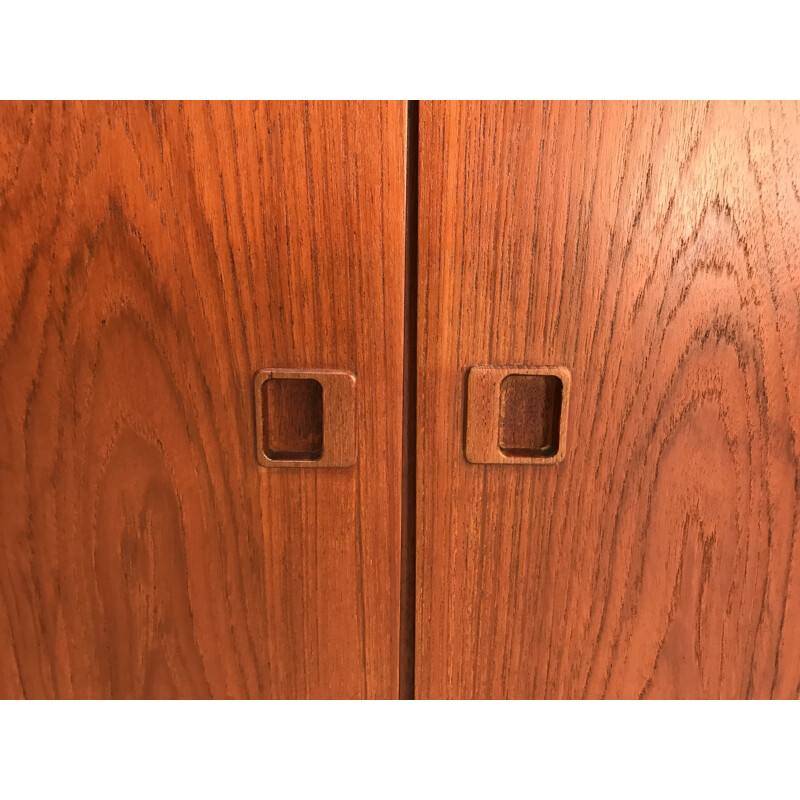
<point>654,249</point>
<point>154,256</point>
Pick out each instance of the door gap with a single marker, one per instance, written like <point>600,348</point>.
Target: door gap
<point>408,529</point>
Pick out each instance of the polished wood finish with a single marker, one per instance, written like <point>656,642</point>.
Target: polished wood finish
<point>305,418</point>
<point>153,257</point>
<point>653,249</point>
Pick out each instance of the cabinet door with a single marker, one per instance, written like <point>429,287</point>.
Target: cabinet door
<point>653,250</point>
<point>154,258</point>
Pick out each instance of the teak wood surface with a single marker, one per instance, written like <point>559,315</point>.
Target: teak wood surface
<point>153,257</point>
<point>654,250</point>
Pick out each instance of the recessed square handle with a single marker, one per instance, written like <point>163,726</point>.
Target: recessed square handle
<point>305,418</point>
<point>517,415</point>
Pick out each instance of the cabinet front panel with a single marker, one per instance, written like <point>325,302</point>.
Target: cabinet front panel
<point>653,250</point>
<point>153,258</point>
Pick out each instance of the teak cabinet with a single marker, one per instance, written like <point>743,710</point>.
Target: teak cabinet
<point>368,400</point>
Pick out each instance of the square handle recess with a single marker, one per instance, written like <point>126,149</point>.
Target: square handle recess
<point>305,418</point>
<point>517,415</point>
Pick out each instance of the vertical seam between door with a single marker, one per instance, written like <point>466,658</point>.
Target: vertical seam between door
<point>408,532</point>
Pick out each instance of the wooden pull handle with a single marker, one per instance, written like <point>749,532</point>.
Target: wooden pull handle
<point>517,415</point>
<point>305,418</point>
